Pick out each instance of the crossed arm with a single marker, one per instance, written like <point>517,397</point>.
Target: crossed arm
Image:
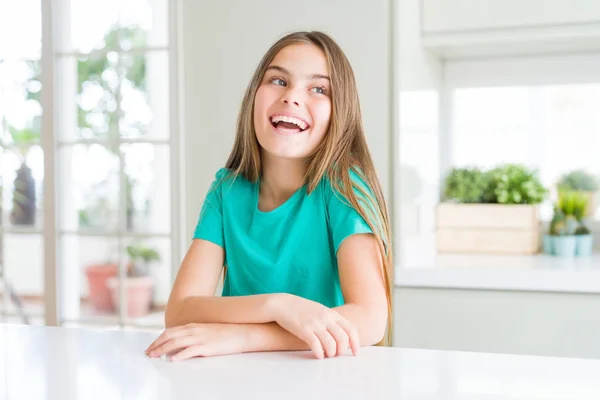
<point>258,318</point>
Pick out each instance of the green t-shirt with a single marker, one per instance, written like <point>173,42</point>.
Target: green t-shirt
<point>291,249</point>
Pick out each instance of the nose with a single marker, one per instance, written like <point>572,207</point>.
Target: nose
<point>291,96</point>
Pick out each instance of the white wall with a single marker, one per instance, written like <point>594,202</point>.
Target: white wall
<point>546,324</point>
<point>222,45</point>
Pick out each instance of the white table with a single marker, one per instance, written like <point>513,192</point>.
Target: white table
<point>67,363</point>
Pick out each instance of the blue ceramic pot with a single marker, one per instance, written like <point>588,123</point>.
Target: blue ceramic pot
<point>565,246</point>
<point>548,244</point>
<point>585,244</point>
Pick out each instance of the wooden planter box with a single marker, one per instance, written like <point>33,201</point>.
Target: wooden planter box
<point>487,228</point>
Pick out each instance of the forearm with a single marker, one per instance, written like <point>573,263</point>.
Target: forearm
<point>272,337</point>
<point>211,309</point>
<point>370,323</point>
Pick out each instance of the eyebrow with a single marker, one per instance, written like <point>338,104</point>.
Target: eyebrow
<point>285,71</point>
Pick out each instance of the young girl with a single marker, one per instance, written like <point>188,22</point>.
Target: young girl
<point>296,220</point>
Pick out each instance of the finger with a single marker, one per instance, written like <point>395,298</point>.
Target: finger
<point>189,352</point>
<point>168,334</point>
<point>176,344</point>
<point>315,345</point>
<point>328,342</point>
<point>352,334</point>
<point>341,338</point>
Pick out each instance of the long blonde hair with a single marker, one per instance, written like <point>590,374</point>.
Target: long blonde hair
<point>344,146</point>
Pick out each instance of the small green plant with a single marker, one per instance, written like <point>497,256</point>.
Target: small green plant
<point>572,205</point>
<point>465,185</point>
<point>578,180</point>
<point>514,184</point>
<point>557,225</point>
<point>582,230</point>
<point>141,256</point>
<point>580,202</point>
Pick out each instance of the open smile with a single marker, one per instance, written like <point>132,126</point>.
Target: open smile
<point>288,123</point>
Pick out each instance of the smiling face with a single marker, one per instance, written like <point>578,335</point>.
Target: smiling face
<point>292,107</point>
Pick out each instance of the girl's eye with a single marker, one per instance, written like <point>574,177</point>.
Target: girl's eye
<point>278,81</point>
<point>320,90</point>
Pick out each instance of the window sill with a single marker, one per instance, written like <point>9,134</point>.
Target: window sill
<point>540,273</point>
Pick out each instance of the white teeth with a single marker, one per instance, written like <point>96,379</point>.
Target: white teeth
<point>277,118</point>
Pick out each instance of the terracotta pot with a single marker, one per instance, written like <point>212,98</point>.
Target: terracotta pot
<point>99,294</point>
<point>139,294</point>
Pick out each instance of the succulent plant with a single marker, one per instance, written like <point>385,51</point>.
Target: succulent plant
<point>514,184</point>
<point>557,225</point>
<point>465,185</point>
<point>572,206</point>
<point>582,230</point>
<point>571,225</point>
<point>580,200</point>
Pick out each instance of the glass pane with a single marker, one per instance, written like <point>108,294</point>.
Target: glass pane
<point>89,188</point>
<point>94,25</point>
<point>418,168</point>
<point>22,164</point>
<point>96,96</point>
<point>485,137</point>
<point>87,263</point>
<point>23,264</point>
<point>20,29</point>
<point>20,106</point>
<point>572,131</point>
<point>22,175</point>
<point>148,281</point>
<point>145,95</point>
<point>147,187</point>
<point>144,23</point>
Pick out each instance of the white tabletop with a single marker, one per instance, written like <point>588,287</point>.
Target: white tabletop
<point>67,363</point>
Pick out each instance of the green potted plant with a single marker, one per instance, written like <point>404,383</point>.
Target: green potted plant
<point>514,184</point>
<point>584,238</point>
<point>138,282</point>
<point>495,211</point>
<point>465,185</point>
<point>581,181</point>
<point>24,198</point>
<point>562,234</point>
<point>567,231</point>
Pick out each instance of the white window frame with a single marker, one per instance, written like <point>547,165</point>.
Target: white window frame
<point>50,145</point>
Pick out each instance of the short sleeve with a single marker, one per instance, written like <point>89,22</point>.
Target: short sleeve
<point>210,221</point>
<point>344,220</point>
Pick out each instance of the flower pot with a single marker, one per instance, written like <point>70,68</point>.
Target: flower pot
<point>564,246</point>
<point>99,294</point>
<point>585,244</point>
<point>548,244</point>
<point>139,294</point>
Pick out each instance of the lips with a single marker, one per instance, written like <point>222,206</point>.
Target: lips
<point>288,123</point>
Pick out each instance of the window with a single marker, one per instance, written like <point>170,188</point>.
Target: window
<point>113,143</point>
<point>552,128</point>
<point>541,111</point>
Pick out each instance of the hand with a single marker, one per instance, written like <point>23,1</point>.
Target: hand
<point>198,340</point>
<point>325,331</point>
